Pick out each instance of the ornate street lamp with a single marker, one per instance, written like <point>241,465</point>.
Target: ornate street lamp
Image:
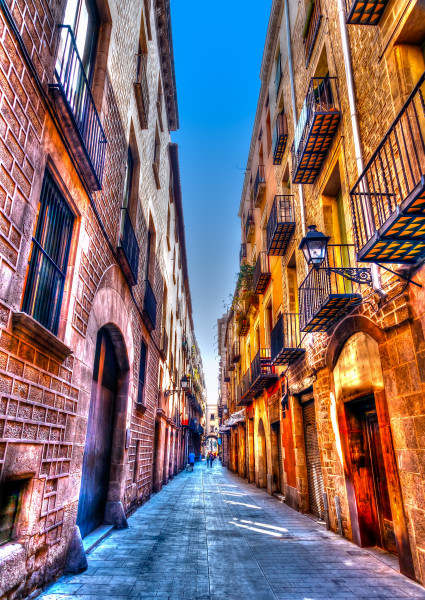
<point>184,386</point>
<point>314,246</point>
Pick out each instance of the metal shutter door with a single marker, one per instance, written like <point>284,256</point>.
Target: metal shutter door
<point>314,468</point>
<point>280,458</point>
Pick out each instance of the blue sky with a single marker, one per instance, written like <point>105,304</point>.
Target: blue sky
<point>218,48</point>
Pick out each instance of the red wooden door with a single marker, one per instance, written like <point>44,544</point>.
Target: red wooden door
<point>98,447</point>
<point>382,497</point>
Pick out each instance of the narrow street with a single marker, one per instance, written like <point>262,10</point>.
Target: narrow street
<point>210,535</point>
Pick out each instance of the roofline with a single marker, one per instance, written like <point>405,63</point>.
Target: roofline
<point>266,66</point>
<point>166,59</point>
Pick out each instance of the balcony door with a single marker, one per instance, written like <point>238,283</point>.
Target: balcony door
<point>83,18</point>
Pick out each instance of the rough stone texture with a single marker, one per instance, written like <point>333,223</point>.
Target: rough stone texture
<point>76,560</point>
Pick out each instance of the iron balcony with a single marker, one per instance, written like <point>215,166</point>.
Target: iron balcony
<point>278,76</point>
<point>311,28</point>
<point>364,12</point>
<point>128,249</point>
<point>249,227</point>
<point>262,273</point>
<point>388,200</point>
<point>164,344</point>
<point>261,375</point>
<point>226,375</point>
<point>141,90</point>
<point>242,254</point>
<point>280,138</point>
<point>325,296</point>
<point>243,323</point>
<point>281,225</point>
<point>236,352</point>
<point>286,340</point>
<point>317,125</point>
<point>77,111</point>
<point>259,186</point>
<point>149,305</point>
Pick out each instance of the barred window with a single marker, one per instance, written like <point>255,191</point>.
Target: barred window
<point>49,257</point>
<point>142,373</point>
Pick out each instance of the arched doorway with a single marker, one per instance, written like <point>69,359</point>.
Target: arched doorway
<point>262,456</point>
<point>108,385</point>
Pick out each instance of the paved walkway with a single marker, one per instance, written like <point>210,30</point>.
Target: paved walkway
<point>208,535</point>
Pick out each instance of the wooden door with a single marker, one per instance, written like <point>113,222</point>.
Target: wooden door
<point>98,447</point>
<point>382,497</point>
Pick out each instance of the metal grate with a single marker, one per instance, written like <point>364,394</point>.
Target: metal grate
<point>312,26</point>
<point>286,340</point>
<point>281,225</point>
<point>280,138</point>
<point>314,467</point>
<point>262,273</point>
<point>259,185</point>
<point>364,12</point>
<point>49,257</point>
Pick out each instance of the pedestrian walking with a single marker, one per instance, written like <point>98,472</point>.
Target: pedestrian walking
<point>209,459</point>
<point>191,460</point>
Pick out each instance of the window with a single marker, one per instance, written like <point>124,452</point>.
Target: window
<point>142,373</point>
<point>212,417</point>
<point>10,499</point>
<point>129,171</point>
<point>49,257</point>
<point>136,462</point>
<point>156,158</point>
<point>211,428</point>
<point>151,254</point>
<point>83,18</point>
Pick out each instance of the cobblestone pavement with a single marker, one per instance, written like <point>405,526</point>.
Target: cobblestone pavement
<point>208,535</point>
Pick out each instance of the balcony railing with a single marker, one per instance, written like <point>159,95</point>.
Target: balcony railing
<point>258,377</point>
<point>128,249</point>
<point>77,110</point>
<point>364,12</point>
<point>316,129</point>
<point>281,225</point>
<point>242,253</point>
<point>262,273</point>
<point>388,200</point>
<point>280,138</point>
<point>286,340</point>
<point>226,375</point>
<point>242,324</point>
<point>259,186</point>
<point>326,296</point>
<point>141,89</point>
<point>311,28</point>
<point>278,76</point>
<point>249,227</point>
<point>236,352</point>
<point>149,306</point>
<point>230,364</point>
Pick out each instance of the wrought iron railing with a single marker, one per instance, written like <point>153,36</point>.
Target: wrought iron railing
<point>280,138</point>
<point>326,294</point>
<point>242,253</point>
<point>245,383</point>
<point>262,364</point>
<point>128,242</point>
<point>388,199</point>
<point>236,352</point>
<point>281,214</point>
<point>70,78</point>
<point>285,337</point>
<point>278,76</point>
<point>142,84</point>
<point>164,342</point>
<point>259,183</point>
<point>149,305</point>
<point>322,100</point>
<point>311,28</point>
<point>262,273</point>
<point>249,226</point>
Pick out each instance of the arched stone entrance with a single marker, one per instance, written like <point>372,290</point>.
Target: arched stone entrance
<point>366,449</point>
<point>109,386</point>
<point>262,456</point>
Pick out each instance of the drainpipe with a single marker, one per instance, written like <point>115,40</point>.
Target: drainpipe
<point>294,106</point>
<point>376,276</point>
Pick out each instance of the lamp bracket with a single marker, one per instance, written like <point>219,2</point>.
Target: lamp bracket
<point>357,274</point>
<point>171,392</point>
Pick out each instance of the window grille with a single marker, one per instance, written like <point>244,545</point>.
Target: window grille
<point>49,257</point>
<point>142,374</point>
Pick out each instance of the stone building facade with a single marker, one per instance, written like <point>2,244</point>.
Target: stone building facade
<point>94,293</point>
<point>223,379</point>
<point>330,368</point>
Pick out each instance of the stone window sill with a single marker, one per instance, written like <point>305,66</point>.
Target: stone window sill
<point>141,408</point>
<point>33,332</point>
